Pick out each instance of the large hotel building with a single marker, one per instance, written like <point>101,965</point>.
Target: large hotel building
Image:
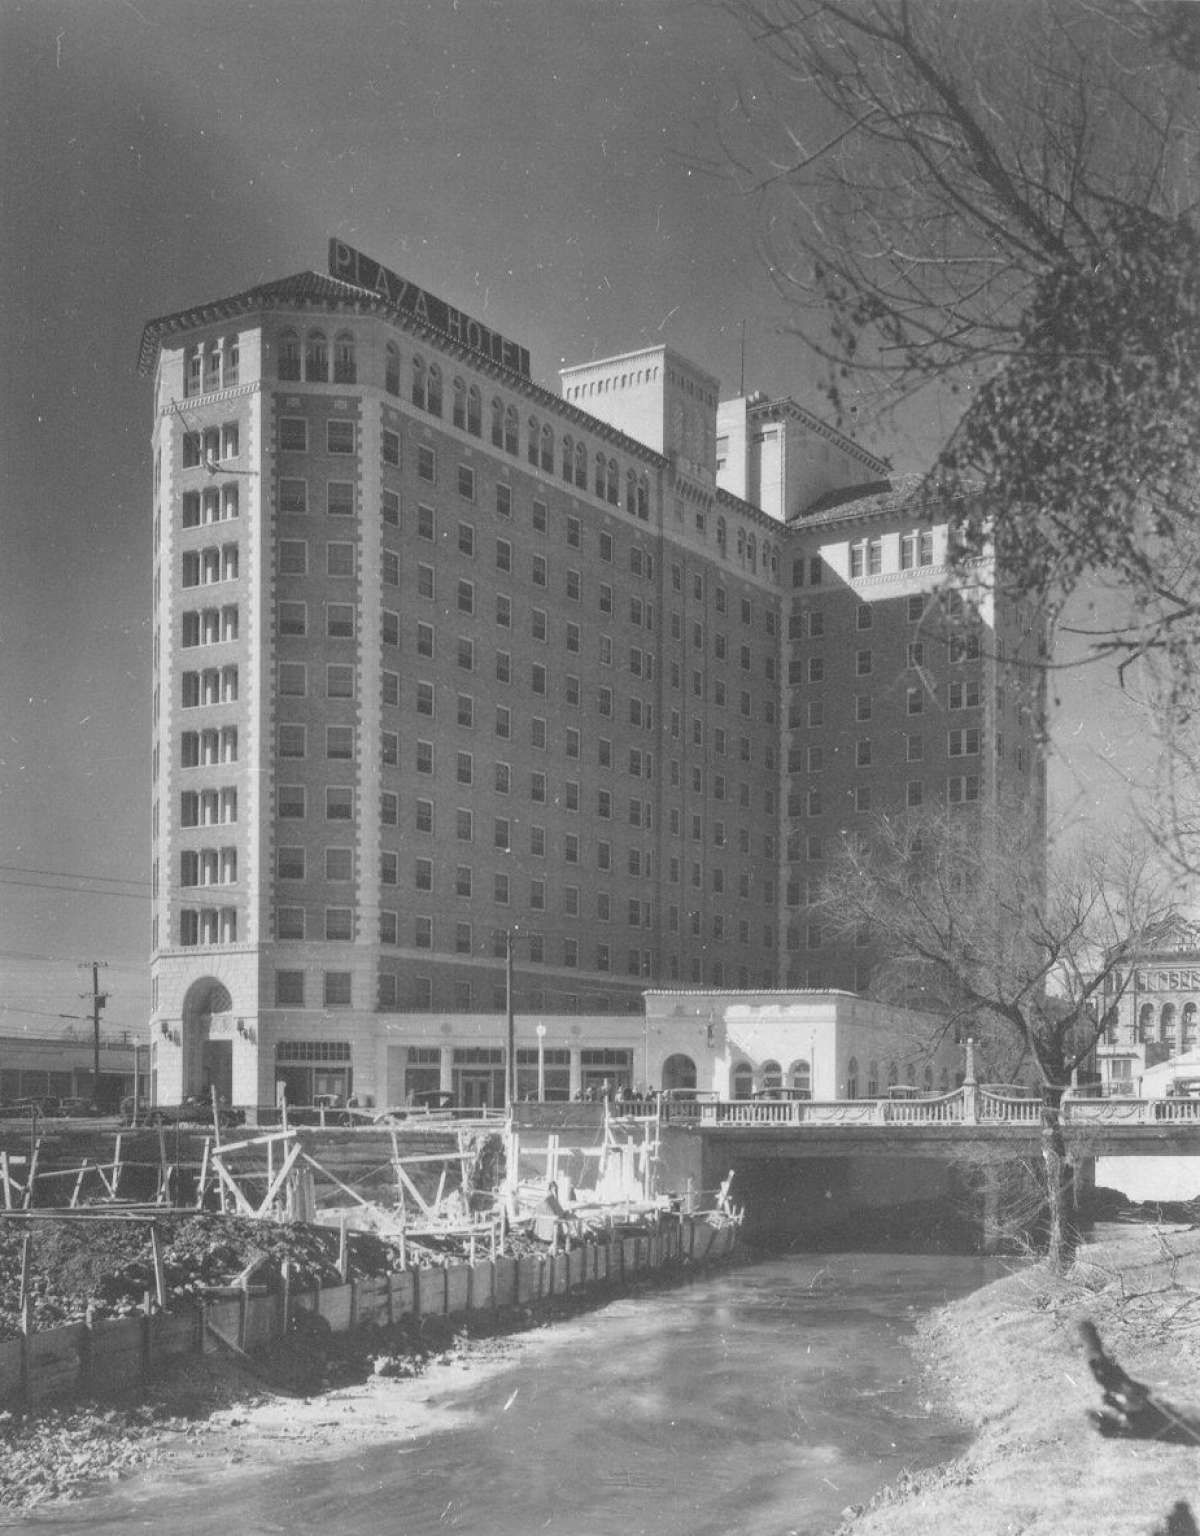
<point>442,657</point>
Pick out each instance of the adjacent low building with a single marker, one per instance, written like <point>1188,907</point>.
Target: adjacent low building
<point>60,1067</point>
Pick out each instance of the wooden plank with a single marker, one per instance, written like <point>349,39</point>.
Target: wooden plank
<point>458,1286</point>
<point>273,1188</point>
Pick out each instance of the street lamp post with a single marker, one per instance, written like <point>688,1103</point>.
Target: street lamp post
<point>541,1040</point>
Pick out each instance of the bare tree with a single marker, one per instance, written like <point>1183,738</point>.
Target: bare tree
<point>963,921</point>
<point>997,202</point>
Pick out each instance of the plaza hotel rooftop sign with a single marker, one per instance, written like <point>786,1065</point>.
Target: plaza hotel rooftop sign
<point>353,267</point>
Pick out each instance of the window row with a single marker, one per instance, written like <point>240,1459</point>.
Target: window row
<point>208,866</point>
<point>211,365</point>
<point>291,619</point>
<point>215,685</point>
<point>207,448</point>
<point>338,497</point>
<point>341,435</point>
<point>309,357</point>
<point>209,626</point>
<point>208,807</point>
<point>207,925</point>
<point>201,567</point>
<point>215,504</point>
<point>204,749</point>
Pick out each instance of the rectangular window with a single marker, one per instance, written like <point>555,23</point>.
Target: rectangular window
<point>339,559</point>
<point>293,434</point>
<point>339,498</point>
<point>339,803</point>
<point>504,501</point>
<point>339,621</point>
<point>426,463</point>
<point>466,482</point>
<point>339,436</point>
<point>293,495</point>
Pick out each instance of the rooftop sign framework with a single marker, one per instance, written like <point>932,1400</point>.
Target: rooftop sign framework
<point>351,266</point>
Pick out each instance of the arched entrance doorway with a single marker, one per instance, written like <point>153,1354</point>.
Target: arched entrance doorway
<point>678,1071</point>
<point>208,1029</point>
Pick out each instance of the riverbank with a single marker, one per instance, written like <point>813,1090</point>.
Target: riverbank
<point>1007,1361</point>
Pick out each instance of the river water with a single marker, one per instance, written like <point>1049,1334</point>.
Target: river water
<point>758,1401</point>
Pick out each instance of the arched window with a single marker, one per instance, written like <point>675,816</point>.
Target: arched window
<point>743,1080</point>
<point>1188,1040</point>
<point>721,534</point>
<point>391,368</point>
<point>533,440</point>
<point>433,390</point>
<point>192,376</point>
<point>741,544</point>
<point>212,366</point>
<point>772,1074</point>
<point>1145,1022</point>
<point>581,466</point>
<point>751,551</point>
<point>800,1078</point>
<point>548,448</point>
<point>927,1078</point>
<point>598,483</point>
<point>631,493</point>
<point>852,1078</point>
<point>893,1074</point>
<point>316,358</point>
<point>459,412</point>
<point>568,457</point>
<point>1166,1026</point>
<point>419,382</point>
<point>512,431</point>
<point>345,369</point>
<point>944,1082</point>
<point>612,489</point>
<point>643,503</point>
<point>678,1071</point>
<point>289,355</point>
<point>872,1079</point>
<point>498,423</point>
<point>910,1074</point>
<point>474,411</point>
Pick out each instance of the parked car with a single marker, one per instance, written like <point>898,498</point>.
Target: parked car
<point>42,1104</point>
<point>191,1112</point>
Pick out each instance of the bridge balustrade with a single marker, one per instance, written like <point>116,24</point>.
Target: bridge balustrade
<point>1009,1110</point>
<point>946,1109</point>
<point>969,1105</point>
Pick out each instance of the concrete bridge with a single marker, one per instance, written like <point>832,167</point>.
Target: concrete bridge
<point>803,1167</point>
<point>946,1125</point>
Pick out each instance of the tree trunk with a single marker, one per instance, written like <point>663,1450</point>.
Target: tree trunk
<point>1059,1176</point>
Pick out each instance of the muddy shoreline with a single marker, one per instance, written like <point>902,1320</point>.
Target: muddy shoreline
<point>1007,1362</point>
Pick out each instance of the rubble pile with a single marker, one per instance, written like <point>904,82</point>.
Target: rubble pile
<point>103,1269</point>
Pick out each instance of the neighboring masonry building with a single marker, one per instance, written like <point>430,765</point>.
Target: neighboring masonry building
<point>441,655</point>
<point>1152,1011</point>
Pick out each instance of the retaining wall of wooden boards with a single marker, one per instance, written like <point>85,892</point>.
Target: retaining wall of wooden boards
<point>115,1355</point>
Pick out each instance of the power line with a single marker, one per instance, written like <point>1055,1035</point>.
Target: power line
<point>78,890</point>
<point>22,954</point>
<point>73,874</point>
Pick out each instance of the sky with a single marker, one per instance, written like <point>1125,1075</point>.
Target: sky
<point>541,164</point>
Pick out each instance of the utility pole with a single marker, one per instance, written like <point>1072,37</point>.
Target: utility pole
<point>98,1001</point>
